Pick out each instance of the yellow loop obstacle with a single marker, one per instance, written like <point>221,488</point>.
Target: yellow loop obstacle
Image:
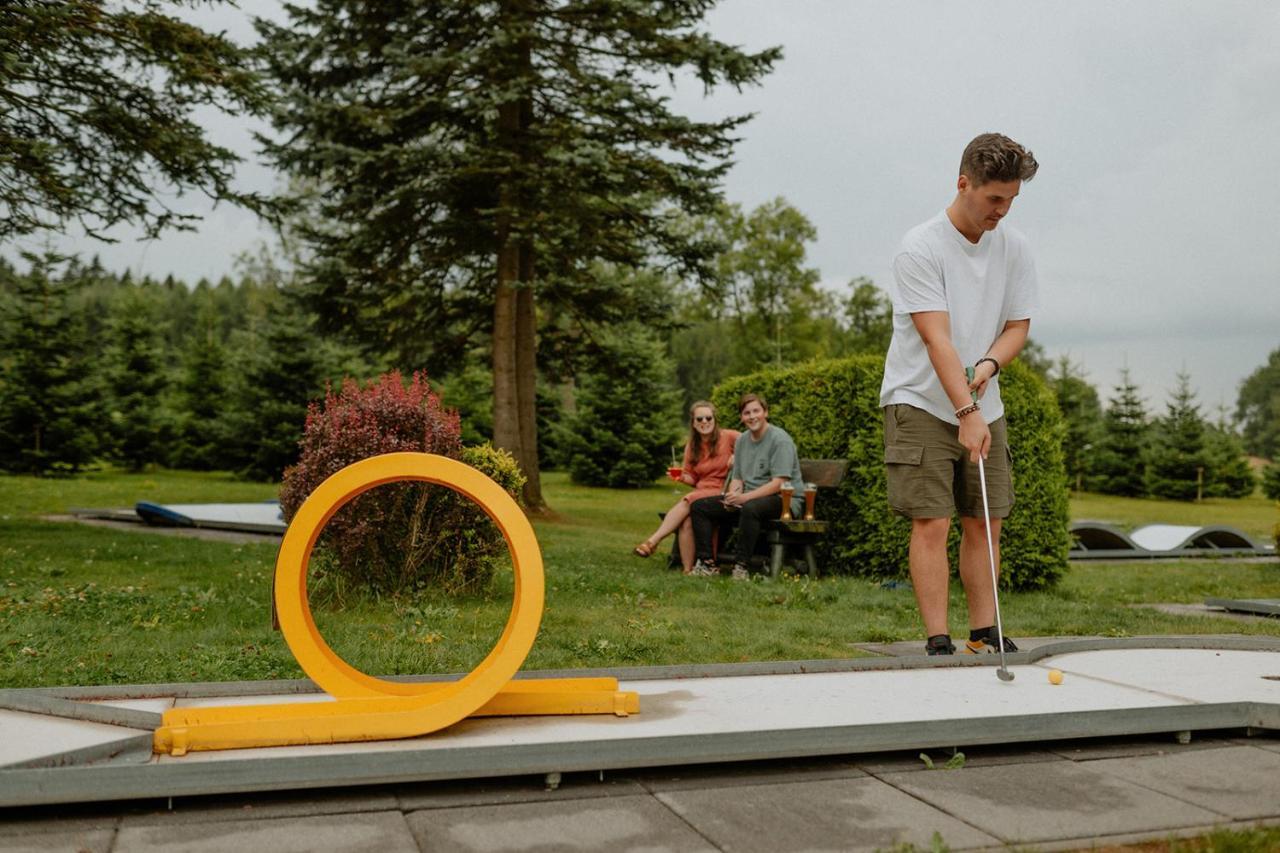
<point>368,708</point>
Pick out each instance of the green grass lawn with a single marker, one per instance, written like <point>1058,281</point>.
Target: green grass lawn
<point>86,605</point>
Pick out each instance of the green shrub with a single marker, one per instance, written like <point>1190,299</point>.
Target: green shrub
<point>1271,481</point>
<point>405,535</point>
<point>832,410</point>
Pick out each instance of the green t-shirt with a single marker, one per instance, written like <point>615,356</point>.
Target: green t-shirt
<point>774,455</point>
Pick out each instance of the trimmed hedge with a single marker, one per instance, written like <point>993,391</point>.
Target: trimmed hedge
<point>832,410</point>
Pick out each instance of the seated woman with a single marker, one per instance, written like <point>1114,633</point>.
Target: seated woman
<point>707,458</point>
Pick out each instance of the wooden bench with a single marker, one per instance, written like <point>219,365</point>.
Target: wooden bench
<point>826,474</point>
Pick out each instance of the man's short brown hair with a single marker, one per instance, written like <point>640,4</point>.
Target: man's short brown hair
<point>751,398</point>
<point>995,157</point>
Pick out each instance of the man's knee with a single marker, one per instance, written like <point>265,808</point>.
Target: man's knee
<point>976,529</point>
<point>930,533</point>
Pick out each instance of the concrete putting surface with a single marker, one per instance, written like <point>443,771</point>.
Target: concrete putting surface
<point>702,715</point>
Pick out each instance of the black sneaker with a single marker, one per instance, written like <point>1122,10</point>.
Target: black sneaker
<point>939,644</point>
<point>987,645</point>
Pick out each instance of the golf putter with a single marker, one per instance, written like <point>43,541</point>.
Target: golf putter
<point>1003,672</point>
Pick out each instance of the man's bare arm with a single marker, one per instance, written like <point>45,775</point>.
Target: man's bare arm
<point>934,328</point>
<point>1005,349</point>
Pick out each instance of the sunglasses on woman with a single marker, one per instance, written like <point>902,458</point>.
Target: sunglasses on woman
<point>704,419</point>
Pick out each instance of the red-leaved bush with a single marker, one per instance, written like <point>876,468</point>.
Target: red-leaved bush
<point>399,536</point>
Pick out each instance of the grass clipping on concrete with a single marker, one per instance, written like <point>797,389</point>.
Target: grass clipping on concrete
<point>88,605</point>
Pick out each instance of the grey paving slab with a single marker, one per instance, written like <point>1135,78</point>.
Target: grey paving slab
<point>521,789</point>
<point>1238,781</point>
<point>379,832</point>
<point>265,806</point>
<point>837,814</point>
<point>619,824</point>
<point>79,841</point>
<point>1094,750</point>
<point>1050,801</point>
<point>750,773</point>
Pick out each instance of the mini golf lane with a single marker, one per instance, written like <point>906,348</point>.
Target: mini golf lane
<point>740,713</point>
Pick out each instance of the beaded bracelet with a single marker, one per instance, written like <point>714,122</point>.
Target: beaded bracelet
<point>968,410</point>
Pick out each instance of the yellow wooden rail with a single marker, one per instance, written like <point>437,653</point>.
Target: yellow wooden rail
<point>369,708</point>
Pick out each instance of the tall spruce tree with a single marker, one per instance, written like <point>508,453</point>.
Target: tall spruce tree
<point>135,379</point>
<point>1177,458</point>
<point>200,393</point>
<point>1082,414</point>
<point>50,414</point>
<point>1119,465</point>
<point>621,434</point>
<point>278,371</point>
<point>1229,474</point>
<point>471,161</point>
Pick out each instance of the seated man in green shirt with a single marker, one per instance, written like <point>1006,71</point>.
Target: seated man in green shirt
<point>763,459</point>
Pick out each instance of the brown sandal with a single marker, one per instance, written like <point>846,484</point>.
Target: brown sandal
<point>644,549</point>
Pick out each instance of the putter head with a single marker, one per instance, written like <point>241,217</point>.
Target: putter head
<point>1004,674</point>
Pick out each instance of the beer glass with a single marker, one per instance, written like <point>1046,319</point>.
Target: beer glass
<point>810,493</point>
<point>787,491</point>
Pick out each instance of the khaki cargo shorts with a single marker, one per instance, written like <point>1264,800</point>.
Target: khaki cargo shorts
<point>929,472</point>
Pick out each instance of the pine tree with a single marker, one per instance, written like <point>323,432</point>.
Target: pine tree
<point>1271,481</point>
<point>135,380</point>
<point>1082,414</point>
<point>621,434</point>
<point>277,374</point>
<point>1119,465</point>
<point>475,160</point>
<point>1229,474</point>
<point>1177,458</point>
<point>201,394</point>
<point>50,416</point>
<point>279,366</point>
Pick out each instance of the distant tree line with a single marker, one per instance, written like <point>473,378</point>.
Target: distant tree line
<point>96,366</point>
<point>1124,448</point>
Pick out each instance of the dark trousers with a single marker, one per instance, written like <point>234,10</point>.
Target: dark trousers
<point>709,513</point>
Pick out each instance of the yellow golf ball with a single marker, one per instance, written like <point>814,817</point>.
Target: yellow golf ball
<point>1055,676</point>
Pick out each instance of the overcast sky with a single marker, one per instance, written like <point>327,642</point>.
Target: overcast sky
<point>1156,123</point>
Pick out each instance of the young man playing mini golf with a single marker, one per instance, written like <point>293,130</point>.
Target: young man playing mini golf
<point>963,293</point>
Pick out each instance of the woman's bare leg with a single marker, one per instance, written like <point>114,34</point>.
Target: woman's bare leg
<point>674,518</point>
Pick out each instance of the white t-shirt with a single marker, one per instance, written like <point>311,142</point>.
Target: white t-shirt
<point>981,285</point>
